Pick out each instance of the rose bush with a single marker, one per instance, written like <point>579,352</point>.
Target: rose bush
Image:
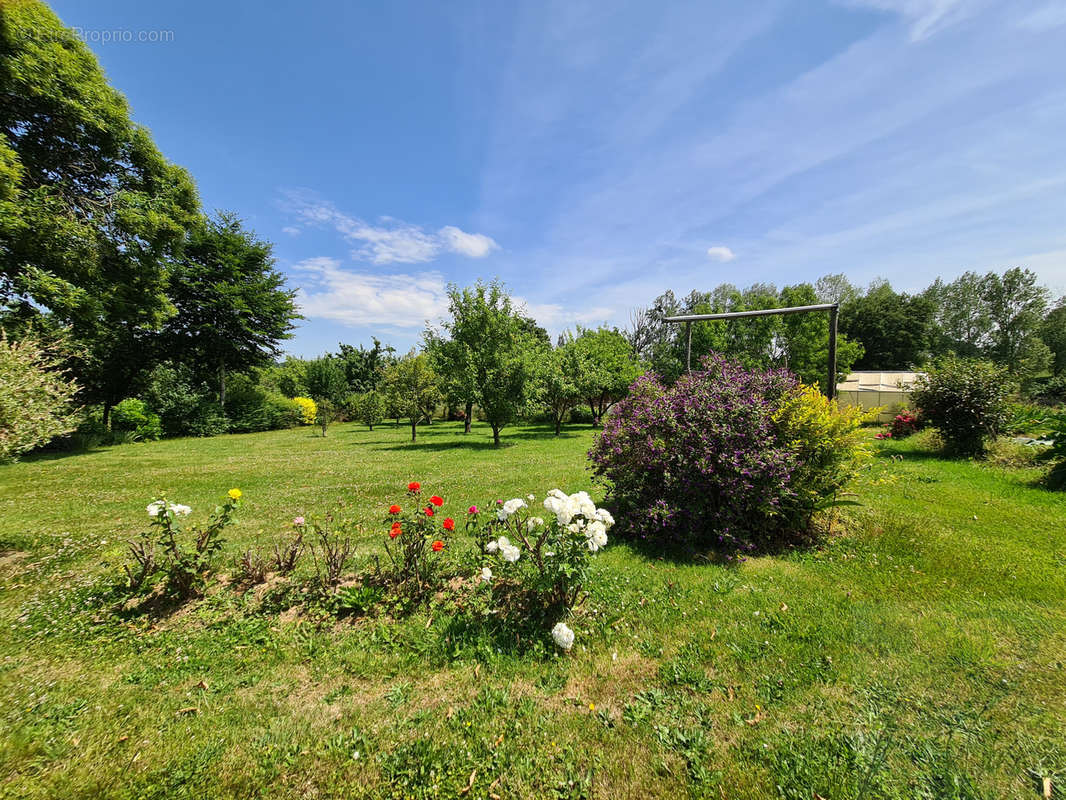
<point>546,555</point>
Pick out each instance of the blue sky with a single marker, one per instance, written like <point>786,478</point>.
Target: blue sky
<point>593,155</point>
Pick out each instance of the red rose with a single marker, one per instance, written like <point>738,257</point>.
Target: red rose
<point>449,524</point>
<point>414,486</point>
<point>396,530</point>
<point>429,511</point>
<point>437,501</point>
<point>438,546</point>
<point>394,509</point>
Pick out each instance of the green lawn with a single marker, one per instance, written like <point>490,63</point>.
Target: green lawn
<point>920,653</point>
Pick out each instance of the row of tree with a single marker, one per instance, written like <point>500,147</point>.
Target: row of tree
<point>1007,318</point>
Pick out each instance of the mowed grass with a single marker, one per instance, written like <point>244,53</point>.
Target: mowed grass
<point>919,653</point>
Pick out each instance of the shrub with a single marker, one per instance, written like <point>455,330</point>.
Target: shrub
<point>581,415</point>
<point>1057,425</point>
<point>308,409</point>
<point>415,538</point>
<point>185,407</point>
<point>160,559</point>
<point>966,401</point>
<point>132,416</point>
<point>904,424</point>
<point>727,457</point>
<point>547,557</point>
<point>1049,391</point>
<point>35,398</point>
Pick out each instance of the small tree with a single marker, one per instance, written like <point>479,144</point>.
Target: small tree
<point>559,382</point>
<point>491,354</point>
<point>606,368</point>
<point>965,400</point>
<point>35,397</point>
<point>411,388</point>
<point>324,414</point>
<point>369,408</point>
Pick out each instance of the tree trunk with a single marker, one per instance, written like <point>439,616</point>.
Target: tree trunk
<point>558,424</point>
<point>107,415</point>
<point>495,436</point>
<point>371,426</point>
<point>469,414</point>
<point>414,424</point>
<point>222,386</point>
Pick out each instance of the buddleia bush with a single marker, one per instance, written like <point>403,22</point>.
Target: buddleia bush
<point>728,457</point>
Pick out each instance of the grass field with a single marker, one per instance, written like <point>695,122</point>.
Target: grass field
<point>919,653</point>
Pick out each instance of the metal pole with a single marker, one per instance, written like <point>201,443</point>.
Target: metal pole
<point>688,347</point>
<point>833,312</point>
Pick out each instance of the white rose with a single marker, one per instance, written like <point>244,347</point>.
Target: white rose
<point>563,636</point>
<point>486,574</point>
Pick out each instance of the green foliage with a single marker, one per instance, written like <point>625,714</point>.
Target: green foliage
<point>184,405</point>
<point>325,414</point>
<point>35,397</point>
<point>325,380</point>
<point>90,211</point>
<point>966,401</point>
<point>363,368</point>
<point>559,382</point>
<point>604,368</point>
<point>800,342</point>
<point>133,416</point>
<point>411,389</point>
<point>1053,334</point>
<point>804,341</point>
<point>1057,426</point>
<point>232,307</point>
<point>368,408</point>
<point>895,330</point>
<point>491,355</point>
<point>160,559</point>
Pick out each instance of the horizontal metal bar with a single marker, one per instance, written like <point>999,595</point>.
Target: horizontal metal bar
<point>762,312</point>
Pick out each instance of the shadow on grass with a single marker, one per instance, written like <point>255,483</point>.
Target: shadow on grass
<point>431,440</point>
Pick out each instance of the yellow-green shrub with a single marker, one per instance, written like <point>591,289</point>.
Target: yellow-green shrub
<point>308,410</point>
<point>828,441</point>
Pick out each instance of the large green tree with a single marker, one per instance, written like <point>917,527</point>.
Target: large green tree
<point>232,308</point>
<point>90,212</point>
<point>895,330</point>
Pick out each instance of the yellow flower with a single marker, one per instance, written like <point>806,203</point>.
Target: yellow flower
<point>592,706</point>
<point>235,494</point>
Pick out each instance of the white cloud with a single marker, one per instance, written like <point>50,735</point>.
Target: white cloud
<point>397,301</point>
<point>474,245</point>
<point>1044,19</point>
<point>720,253</point>
<point>391,240</point>
<point>926,17</point>
<point>291,230</point>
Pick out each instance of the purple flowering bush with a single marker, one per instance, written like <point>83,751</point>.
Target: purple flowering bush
<point>727,457</point>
